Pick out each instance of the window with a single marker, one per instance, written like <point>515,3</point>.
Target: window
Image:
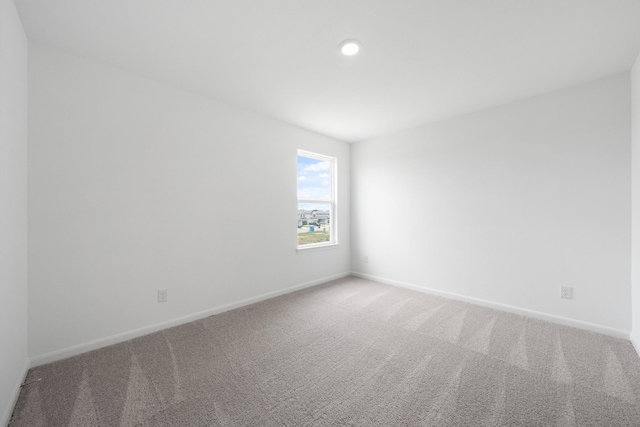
<point>316,200</point>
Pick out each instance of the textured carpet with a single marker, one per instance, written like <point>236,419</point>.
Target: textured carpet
<point>347,353</point>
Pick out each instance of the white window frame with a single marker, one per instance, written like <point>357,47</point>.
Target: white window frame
<point>333,203</point>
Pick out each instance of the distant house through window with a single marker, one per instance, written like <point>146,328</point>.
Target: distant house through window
<point>316,200</point>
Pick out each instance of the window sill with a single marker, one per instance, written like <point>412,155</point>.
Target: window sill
<point>315,248</point>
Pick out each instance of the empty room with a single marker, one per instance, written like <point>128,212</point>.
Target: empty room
<point>302,213</point>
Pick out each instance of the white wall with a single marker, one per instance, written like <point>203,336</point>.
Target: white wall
<point>635,185</point>
<point>507,204</point>
<point>13,207</point>
<point>135,186</point>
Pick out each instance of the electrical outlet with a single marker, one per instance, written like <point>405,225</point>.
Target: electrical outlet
<point>162,295</point>
<point>366,259</point>
<point>566,292</point>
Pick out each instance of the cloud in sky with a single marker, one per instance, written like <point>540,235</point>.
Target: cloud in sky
<point>312,179</point>
<point>317,167</point>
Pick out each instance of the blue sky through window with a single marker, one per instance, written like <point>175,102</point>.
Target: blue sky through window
<point>314,179</point>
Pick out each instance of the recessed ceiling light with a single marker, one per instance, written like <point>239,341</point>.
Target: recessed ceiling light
<point>350,47</point>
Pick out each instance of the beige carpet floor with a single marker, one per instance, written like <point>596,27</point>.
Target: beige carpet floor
<point>347,353</point>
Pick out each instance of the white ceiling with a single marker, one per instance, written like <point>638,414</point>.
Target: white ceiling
<point>421,60</point>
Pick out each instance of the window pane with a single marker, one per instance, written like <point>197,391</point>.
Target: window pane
<point>314,179</point>
<point>314,223</point>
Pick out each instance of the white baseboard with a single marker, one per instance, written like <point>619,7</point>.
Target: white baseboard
<point>8,411</point>
<point>125,336</point>
<point>618,333</point>
<point>635,342</point>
